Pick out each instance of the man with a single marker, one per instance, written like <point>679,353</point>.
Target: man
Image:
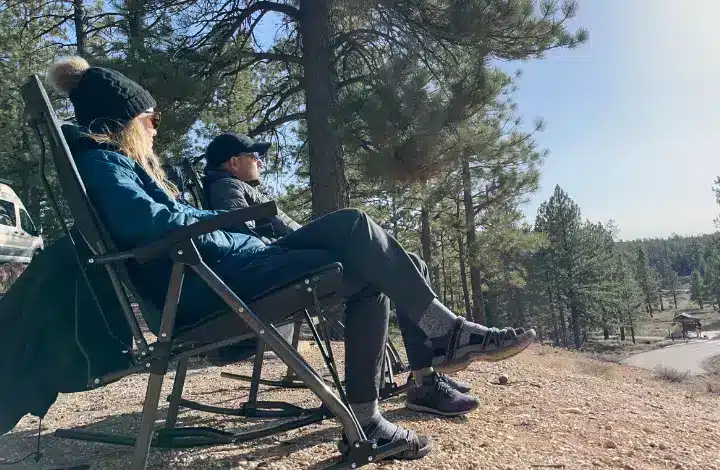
<point>232,181</point>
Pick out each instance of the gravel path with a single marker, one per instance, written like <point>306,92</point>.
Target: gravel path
<point>685,357</point>
<point>560,410</point>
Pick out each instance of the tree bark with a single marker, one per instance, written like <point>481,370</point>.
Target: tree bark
<point>425,240</point>
<point>478,311</point>
<point>137,10</point>
<point>577,333</point>
<point>622,333</point>
<point>675,298</point>
<point>327,170</point>
<point>662,305</point>
<point>463,267</point>
<point>444,272</point>
<point>605,329</point>
<point>563,325</point>
<point>79,19</point>
<point>556,332</point>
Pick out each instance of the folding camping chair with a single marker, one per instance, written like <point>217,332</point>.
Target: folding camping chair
<point>243,318</point>
<point>392,363</point>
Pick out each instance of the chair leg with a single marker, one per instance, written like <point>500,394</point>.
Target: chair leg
<point>290,375</point>
<point>147,423</point>
<point>286,353</point>
<point>176,395</point>
<point>257,371</point>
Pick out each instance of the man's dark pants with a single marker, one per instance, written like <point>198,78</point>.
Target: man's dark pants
<point>375,269</point>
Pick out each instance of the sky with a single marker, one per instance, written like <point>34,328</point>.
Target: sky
<point>633,116</point>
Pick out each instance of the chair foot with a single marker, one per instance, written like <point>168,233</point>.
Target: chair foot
<point>367,452</point>
<point>389,390</point>
<point>184,438</point>
<point>260,409</point>
<point>284,383</point>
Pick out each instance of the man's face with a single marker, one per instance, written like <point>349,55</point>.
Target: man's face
<point>245,167</point>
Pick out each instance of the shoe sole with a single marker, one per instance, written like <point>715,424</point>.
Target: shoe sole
<point>425,409</point>
<point>467,356</point>
<point>343,448</point>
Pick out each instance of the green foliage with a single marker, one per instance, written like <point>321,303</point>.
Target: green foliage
<point>697,288</point>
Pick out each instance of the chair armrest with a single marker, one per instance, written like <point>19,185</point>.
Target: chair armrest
<point>162,246</point>
<point>223,221</point>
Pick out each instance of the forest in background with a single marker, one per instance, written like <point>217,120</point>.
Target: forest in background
<point>397,107</point>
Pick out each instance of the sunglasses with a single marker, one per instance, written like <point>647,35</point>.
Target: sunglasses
<point>154,118</point>
<point>253,155</point>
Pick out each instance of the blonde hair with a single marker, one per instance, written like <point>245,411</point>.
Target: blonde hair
<point>134,142</point>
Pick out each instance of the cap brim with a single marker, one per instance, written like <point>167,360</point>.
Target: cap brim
<point>261,147</point>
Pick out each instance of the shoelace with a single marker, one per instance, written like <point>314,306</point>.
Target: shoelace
<point>441,385</point>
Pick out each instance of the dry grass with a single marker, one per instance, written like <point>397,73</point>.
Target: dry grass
<point>559,409</point>
<point>671,375</point>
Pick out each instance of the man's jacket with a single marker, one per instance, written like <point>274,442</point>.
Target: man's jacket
<point>225,192</point>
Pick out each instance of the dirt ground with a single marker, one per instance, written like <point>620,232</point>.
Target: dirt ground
<point>559,410</point>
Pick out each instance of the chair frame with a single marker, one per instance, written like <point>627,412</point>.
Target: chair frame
<point>154,358</point>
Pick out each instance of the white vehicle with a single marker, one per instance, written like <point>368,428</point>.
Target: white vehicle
<point>20,240</point>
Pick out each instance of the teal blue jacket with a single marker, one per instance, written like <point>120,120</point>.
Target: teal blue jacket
<point>136,211</point>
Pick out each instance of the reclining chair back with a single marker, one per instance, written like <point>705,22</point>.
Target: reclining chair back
<point>194,183</point>
<point>42,118</point>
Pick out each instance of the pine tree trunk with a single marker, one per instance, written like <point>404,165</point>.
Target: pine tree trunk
<point>556,340</point>
<point>463,276</point>
<point>79,19</point>
<point>675,298</point>
<point>577,333</point>
<point>463,267</point>
<point>662,305</point>
<point>444,271</point>
<point>605,329</point>
<point>563,325</point>
<point>622,333</point>
<point>478,312</point>
<point>520,309</point>
<point>327,171</point>
<point>425,241</point>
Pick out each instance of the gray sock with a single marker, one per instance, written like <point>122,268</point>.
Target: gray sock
<point>369,413</point>
<point>438,320</point>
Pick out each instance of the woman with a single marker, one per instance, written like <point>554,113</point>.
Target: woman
<point>127,186</point>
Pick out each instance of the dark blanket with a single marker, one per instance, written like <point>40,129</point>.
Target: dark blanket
<point>38,317</point>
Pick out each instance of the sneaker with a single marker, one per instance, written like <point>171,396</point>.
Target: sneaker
<point>436,396</point>
<point>458,385</point>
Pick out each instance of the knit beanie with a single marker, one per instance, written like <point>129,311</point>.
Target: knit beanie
<point>104,100</point>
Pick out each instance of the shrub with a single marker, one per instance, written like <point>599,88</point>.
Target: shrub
<point>671,375</point>
<point>9,272</point>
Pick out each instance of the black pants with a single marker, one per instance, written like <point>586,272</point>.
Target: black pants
<point>376,269</point>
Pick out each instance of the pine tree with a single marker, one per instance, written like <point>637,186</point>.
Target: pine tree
<point>697,288</point>
<point>629,296</point>
<point>576,262</point>
<point>647,280</point>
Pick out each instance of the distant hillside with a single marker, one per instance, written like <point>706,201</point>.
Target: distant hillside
<point>683,253</point>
